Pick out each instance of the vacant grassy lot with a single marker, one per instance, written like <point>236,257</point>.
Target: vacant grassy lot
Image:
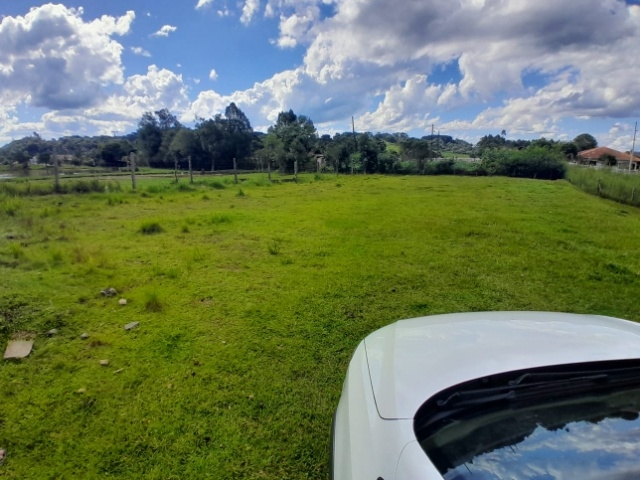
<point>251,301</point>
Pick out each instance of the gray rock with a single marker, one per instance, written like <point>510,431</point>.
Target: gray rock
<point>18,349</point>
<point>131,325</point>
<point>109,292</point>
<point>122,301</point>
<point>52,332</point>
<point>104,363</point>
<point>84,336</point>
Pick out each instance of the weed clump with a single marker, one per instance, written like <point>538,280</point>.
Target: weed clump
<point>274,246</point>
<point>9,207</point>
<point>16,250</point>
<point>152,302</point>
<point>241,193</point>
<point>151,228</point>
<point>220,218</point>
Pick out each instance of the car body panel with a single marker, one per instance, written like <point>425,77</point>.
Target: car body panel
<point>415,465</point>
<point>411,360</point>
<point>362,440</point>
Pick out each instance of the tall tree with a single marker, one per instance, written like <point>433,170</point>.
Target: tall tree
<point>155,133</point>
<point>298,136</point>
<point>585,141</point>
<point>226,137</point>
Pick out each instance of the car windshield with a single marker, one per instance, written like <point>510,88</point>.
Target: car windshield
<point>575,421</point>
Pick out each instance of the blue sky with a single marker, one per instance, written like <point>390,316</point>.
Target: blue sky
<point>469,67</point>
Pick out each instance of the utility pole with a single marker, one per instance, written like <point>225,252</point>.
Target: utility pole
<point>353,129</point>
<point>633,146</point>
<point>432,138</point>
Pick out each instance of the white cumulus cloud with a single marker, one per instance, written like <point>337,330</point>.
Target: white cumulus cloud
<point>164,31</point>
<point>249,9</point>
<point>140,51</point>
<point>52,58</point>
<point>203,3</point>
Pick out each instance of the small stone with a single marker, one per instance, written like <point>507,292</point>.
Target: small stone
<point>84,336</point>
<point>52,332</point>
<point>109,292</point>
<point>131,325</point>
<point>81,390</point>
<point>3,455</point>
<point>122,301</point>
<point>104,362</point>
<point>18,349</point>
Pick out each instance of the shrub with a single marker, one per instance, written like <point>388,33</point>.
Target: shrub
<point>406,168</point>
<point>533,162</point>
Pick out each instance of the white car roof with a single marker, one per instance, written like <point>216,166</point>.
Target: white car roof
<point>411,360</point>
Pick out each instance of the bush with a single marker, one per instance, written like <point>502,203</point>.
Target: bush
<point>406,168</point>
<point>533,162</point>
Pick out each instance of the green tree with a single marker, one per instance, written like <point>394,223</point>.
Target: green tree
<point>584,141</point>
<point>419,151</point>
<point>155,134</point>
<point>224,138</point>
<point>209,134</point>
<point>113,154</point>
<point>298,136</point>
<point>185,144</point>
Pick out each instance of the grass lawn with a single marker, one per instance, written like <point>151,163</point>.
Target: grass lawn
<point>251,301</point>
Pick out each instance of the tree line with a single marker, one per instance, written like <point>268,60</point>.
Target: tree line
<point>215,143</point>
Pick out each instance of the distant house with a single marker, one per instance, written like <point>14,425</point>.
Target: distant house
<point>597,157</point>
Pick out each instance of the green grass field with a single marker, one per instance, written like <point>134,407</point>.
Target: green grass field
<point>251,300</point>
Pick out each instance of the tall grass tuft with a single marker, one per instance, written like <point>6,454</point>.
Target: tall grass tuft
<point>150,228</point>
<point>9,206</point>
<point>607,183</point>
<point>152,301</point>
<point>16,250</point>
<point>220,218</point>
<point>26,188</point>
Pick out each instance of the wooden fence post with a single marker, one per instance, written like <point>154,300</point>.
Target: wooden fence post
<point>56,172</point>
<point>175,168</point>
<point>190,170</point>
<point>295,171</point>
<point>132,164</point>
<point>235,171</point>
